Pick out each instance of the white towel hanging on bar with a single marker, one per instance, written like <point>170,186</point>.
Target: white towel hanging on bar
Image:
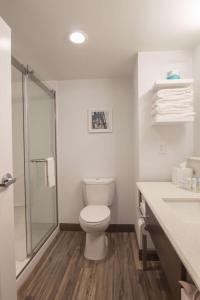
<point>50,172</point>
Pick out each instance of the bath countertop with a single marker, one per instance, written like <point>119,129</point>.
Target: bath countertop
<point>184,235</point>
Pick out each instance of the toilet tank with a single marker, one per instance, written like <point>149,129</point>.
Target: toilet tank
<point>98,191</point>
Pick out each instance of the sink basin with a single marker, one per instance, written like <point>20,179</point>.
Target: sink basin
<point>187,210</point>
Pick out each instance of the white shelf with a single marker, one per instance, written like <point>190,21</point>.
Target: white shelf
<point>172,83</point>
<point>194,158</point>
<point>173,121</point>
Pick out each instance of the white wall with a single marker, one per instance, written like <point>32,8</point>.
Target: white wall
<point>131,152</point>
<point>135,129</point>
<point>178,139</point>
<point>82,154</point>
<point>196,70</point>
<point>18,139</point>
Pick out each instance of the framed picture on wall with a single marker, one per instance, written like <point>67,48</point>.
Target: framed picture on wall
<point>99,120</point>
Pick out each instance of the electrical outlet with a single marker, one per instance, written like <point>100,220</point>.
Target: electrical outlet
<point>162,149</point>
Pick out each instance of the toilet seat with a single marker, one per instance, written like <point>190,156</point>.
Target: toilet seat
<point>95,214</point>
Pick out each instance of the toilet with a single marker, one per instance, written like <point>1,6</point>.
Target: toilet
<point>98,194</point>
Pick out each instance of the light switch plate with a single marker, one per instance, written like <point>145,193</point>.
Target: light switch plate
<point>162,149</point>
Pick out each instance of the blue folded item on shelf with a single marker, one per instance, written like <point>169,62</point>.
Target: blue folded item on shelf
<point>175,76</point>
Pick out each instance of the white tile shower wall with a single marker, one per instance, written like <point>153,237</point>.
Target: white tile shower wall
<point>82,154</point>
<point>178,139</point>
<point>43,206</point>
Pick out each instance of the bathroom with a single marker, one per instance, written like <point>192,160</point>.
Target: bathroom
<point>85,155</point>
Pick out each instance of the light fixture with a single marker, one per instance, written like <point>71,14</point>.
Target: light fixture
<point>77,37</point>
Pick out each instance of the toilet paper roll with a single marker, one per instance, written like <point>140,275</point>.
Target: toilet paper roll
<point>143,208</point>
<point>141,225</point>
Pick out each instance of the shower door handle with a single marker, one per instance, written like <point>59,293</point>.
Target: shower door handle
<point>7,180</point>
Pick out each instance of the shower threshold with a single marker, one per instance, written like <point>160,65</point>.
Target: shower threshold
<point>20,265</point>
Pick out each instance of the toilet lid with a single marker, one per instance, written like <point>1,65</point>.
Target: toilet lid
<point>95,213</point>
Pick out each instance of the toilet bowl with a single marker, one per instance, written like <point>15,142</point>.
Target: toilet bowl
<point>94,220</point>
<point>95,216</point>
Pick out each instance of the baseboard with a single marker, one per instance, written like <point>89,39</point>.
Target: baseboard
<point>70,227</point>
<point>151,255</point>
<point>111,228</point>
<point>121,228</point>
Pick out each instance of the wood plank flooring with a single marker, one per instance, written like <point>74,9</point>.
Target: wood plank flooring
<point>64,274</point>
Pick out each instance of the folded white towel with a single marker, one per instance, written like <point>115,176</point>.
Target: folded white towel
<point>170,118</point>
<point>50,172</point>
<point>172,110</point>
<point>178,115</point>
<point>173,97</point>
<point>170,105</point>
<point>185,92</point>
<point>190,291</point>
<point>173,102</point>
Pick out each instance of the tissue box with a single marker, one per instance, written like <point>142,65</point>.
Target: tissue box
<point>180,176</point>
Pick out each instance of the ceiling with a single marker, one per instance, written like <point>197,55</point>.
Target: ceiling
<point>116,30</point>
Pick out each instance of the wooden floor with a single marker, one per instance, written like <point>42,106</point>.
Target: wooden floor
<point>64,274</point>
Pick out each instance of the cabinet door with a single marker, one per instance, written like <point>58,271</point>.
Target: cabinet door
<point>170,261</point>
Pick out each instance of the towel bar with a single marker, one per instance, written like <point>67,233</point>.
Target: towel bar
<point>39,160</point>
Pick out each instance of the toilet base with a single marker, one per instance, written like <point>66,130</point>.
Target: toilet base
<point>96,246</point>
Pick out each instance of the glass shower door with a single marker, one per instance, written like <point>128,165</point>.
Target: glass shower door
<point>42,196</point>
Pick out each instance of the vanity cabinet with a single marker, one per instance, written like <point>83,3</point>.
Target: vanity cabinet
<point>170,262</point>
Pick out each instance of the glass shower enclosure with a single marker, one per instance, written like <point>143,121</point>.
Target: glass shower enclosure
<point>39,150</point>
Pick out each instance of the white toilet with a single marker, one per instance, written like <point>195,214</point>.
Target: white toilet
<point>94,218</point>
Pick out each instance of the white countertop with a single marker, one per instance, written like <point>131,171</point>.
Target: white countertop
<point>184,236</point>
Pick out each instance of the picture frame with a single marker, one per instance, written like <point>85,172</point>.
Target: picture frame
<point>100,120</point>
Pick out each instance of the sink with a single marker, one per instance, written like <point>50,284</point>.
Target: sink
<point>186,209</point>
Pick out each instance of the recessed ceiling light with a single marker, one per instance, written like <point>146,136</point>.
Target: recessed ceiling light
<point>77,37</point>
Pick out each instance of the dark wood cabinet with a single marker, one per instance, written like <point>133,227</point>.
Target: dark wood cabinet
<point>170,262</point>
